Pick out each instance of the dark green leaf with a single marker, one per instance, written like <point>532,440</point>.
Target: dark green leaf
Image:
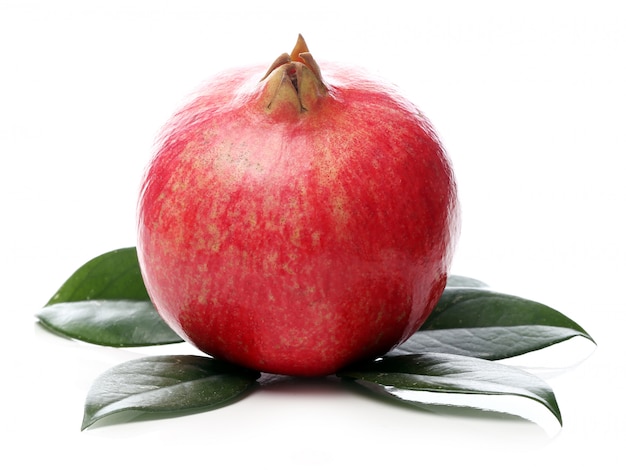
<point>166,384</point>
<point>406,378</point>
<point>118,323</point>
<point>112,276</point>
<point>485,324</point>
<point>105,302</point>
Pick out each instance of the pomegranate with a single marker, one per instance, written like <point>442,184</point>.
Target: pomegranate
<point>298,219</point>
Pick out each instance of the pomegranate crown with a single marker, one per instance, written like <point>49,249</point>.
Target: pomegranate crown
<point>295,79</point>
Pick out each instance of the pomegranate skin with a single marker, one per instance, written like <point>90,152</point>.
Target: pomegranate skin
<point>296,236</point>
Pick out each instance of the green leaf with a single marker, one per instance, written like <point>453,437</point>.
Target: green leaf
<point>454,280</point>
<point>112,276</point>
<point>117,323</point>
<point>490,325</point>
<point>445,376</point>
<point>105,302</point>
<point>162,384</point>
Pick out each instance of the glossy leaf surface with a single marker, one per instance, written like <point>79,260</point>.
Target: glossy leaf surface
<point>105,302</point>
<point>485,324</point>
<point>166,384</point>
<point>111,276</point>
<point>117,323</point>
<point>402,377</point>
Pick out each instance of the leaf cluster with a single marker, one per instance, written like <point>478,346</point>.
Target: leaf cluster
<point>105,302</point>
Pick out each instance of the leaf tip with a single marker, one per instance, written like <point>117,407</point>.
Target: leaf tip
<point>87,422</point>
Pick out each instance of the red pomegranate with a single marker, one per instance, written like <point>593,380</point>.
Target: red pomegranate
<point>296,221</point>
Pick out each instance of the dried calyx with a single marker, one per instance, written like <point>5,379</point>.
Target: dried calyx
<point>294,79</point>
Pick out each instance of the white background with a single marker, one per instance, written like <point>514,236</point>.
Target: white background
<point>528,98</point>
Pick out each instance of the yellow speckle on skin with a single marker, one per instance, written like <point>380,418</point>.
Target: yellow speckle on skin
<point>294,237</point>
<point>215,239</point>
<point>315,239</point>
<point>251,218</point>
<point>270,262</point>
<point>339,206</point>
<point>288,269</point>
